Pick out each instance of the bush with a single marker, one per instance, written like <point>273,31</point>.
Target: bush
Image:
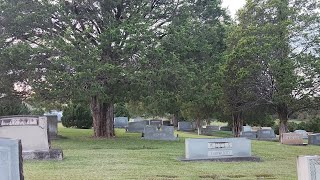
<point>13,107</point>
<point>313,125</point>
<point>78,116</point>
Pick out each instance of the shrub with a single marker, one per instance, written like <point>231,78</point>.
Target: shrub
<point>13,107</point>
<point>78,116</point>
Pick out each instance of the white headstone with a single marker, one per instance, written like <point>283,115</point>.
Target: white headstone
<point>308,167</point>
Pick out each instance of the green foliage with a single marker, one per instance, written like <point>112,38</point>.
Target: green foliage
<point>78,116</point>
<point>121,110</point>
<point>10,106</point>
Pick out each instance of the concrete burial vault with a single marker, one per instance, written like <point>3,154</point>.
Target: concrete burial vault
<point>34,135</point>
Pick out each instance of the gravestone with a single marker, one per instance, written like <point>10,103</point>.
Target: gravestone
<point>53,126</point>
<point>34,134</point>
<point>308,167</point>
<point>186,126</point>
<point>136,127</point>
<point>314,139</point>
<point>266,134</point>
<point>249,134</point>
<point>209,130</point>
<point>11,165</point>
<point>255,128</point>
<point>303,132</point>
<point>121,122</point>
<point>166,123</point>
<point>155,123</point>
<point>246,128</point>
<point>224,149</point>
<point>291,139</point>
<point>165,133</point>
<point>225,128</point>
<point>136,119</point>
<point>266,128</point>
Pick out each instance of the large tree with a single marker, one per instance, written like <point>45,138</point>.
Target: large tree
<point>283,37</point>
<point>90,50</point>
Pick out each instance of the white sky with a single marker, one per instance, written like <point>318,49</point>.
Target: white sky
<point>233,5</point>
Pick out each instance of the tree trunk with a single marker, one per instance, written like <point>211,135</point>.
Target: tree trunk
<point>237,123</point>
<point>175,119</point>
<point>283,115</point>
<point>102,114</point>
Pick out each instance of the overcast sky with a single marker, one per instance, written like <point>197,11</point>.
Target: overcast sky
<point>233,5</point>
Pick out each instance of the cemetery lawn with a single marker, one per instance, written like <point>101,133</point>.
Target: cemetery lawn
<point>129,157</point>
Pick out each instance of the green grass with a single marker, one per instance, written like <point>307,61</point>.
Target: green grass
<point>129,157</point>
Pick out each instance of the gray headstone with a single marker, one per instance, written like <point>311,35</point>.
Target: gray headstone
<point>209,130</point>
<point>166,123</point>
<point>203,149</point>
<point>246,128</point>
<point>11,165</point>
<point>136,126</point>
<point>225,128</point>
<point>121,122</point>
<point>308,167</point>
<point>52,125</point>
<point>249,134</point>
<point>314,139</point>
<point>33,132</point>
<point>266,134</point>
<point>186,126</point>
<point>165,133</point>
<point>303,132</point>
<point>155,122</point>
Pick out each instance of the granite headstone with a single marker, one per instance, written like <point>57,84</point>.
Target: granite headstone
<point>303,132</point>
<point>266,134</point>
<point>308,167</point>
<point>136,127</point>
<point>186,126</point>
<point>291,139</point>
<point>11,163</point>
<point>34,134</point>
<point>224,149</point>
<point>314,139</point>
<point>249,134</point>
<point>53,126</point>
<point>165,133</point>
<point>121,122</point>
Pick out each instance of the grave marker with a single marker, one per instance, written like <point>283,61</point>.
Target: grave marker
<point>53,126</point>
<point>225,149</point>
<point>11,165</point>
<point>249,134</point>
<point>314,139</point>
<point>136,127</point>
<point>303,132</point>
<point>291,139</point>
<point>186,126</point>
<point>121,122</point>
<point>155,123</point>
<point>34,134</point>
<point>165,133</point>
<point>308,167</point>
<point>266,134</point>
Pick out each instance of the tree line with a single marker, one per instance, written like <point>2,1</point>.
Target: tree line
<point>185,58</point>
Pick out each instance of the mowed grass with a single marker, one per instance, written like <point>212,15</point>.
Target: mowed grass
<point>129,157</point>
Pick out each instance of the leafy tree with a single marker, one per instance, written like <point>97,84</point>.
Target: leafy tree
<point>279,38</point>
<point>86,50</point>
<point>77,115</point>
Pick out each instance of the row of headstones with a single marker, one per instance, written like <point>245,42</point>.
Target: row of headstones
<point>35,133</point>
<point>123,122</point>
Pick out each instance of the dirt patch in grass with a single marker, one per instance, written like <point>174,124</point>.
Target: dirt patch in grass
<point>167,176</point>
<point>211,176</point>
<point>139,148</point>
<point>265,176</point>
<point>236,176</point>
